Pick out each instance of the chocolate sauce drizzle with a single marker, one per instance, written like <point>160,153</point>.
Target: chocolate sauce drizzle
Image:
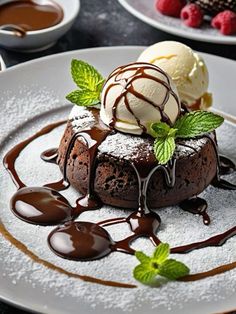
<point>196,206</point>
<point>82,240</point>
<point>93,136</point>
<point>13,154</point>
<point>128,88</point>
<point>224,165</point>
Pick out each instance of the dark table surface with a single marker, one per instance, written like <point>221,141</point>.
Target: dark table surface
<point>106,23</point>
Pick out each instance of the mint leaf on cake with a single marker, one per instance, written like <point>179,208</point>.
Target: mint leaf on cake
<point>83,97</point>
<point>89,82</point>
<point>151,269</point>
<point>164,148</point>
<point>191,125</point>
<point>197,123</point>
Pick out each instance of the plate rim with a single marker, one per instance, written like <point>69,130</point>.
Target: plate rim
<point>5,299</point>
<point>226,40</point>
<point>102,48</point>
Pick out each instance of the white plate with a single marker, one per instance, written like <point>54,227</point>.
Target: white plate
<point>32,95</point>
<point>145,11</point>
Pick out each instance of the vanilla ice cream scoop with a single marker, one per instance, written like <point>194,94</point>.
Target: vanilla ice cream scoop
<point>136,95</point>
<point>186,68</point>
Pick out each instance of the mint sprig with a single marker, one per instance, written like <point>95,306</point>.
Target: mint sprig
<point>89,81</point>
<point>192,124</point>
<point>152,268</point>
<point>197,123</point>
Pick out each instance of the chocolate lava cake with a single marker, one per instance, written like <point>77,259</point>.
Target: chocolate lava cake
<point>115,181</point>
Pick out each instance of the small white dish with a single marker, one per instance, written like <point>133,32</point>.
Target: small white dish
<point>146,12</point>
<point>41,39</point>
<point>2,64</point>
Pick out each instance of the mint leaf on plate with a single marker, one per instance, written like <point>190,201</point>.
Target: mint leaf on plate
<point>144,274</point>
<point>143,258</point>
<point>173,270</point>
<point>158,266</point>
<point>161,253</point>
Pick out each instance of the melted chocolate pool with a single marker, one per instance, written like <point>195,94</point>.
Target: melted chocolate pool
<point>82,240</point>
<point>41,206</point>
<point>197,206</point>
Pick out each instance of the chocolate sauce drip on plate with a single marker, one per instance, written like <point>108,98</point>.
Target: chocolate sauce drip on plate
<point>50,155</point>
<point>31,15</point>
<point>227,166</point>
<point>210,273</point>
<point>223,184</point>
<point>222,163</point>
<point>224,166</point>
<point>217,240</point>
<point>11,156</point>
<point>197,206</point>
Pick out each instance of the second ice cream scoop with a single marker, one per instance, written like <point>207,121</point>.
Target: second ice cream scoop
<point>186,68</point>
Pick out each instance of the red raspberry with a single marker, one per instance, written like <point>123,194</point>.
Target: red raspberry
<point>170,7</point>
<point>225,21</point>
<point>192,15</point>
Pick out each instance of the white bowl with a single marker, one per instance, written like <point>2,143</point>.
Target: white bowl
<point>44,38</point>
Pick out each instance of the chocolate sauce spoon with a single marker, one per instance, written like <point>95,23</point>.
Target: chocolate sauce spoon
<point>17,30</point>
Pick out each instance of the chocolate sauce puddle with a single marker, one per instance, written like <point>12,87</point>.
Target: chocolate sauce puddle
<point>80,240</point>
<point>196,206</point>
<point>50,155</point>
<point>85,240</point>
<point>40,205</point>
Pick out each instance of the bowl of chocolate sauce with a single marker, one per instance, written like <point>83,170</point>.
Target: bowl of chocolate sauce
<point>34,25</point>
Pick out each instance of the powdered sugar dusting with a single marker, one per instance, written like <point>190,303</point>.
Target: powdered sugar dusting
<point>81,118</point>
<point>125,146</point>
<point>177,228</point>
